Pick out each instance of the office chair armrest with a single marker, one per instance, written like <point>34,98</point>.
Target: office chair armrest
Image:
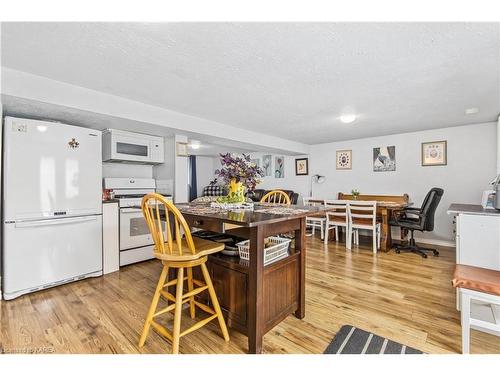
<point>400,220</point>
<point>412,209</point>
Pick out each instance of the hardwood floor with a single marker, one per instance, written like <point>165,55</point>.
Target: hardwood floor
<point>402,297</point>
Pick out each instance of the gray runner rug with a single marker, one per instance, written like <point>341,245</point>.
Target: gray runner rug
<point>352,340</point>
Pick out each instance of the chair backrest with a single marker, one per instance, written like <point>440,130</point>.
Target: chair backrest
<point>337,210</point>
<point>309,201</point>
<point>429,206</point>
<point>159,212</point>
<point>276,196</point>
<point>362,211</point>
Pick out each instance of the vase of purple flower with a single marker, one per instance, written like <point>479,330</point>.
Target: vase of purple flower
<point>238,173</point>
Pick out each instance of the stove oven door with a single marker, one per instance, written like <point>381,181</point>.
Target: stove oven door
<point>134,231</point>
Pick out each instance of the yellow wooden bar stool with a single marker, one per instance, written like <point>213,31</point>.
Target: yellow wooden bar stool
<point>182,253</point>
<point>276,196</point>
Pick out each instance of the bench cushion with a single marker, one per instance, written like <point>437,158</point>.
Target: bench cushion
<point>476,278</point>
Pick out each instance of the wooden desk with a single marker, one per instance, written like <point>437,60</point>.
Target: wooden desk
<point>386,206</point>
<point>255,298</point>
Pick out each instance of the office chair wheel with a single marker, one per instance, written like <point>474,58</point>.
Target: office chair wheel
<point>424,255</point>
<point>398,251</point>
<point>436,253</point>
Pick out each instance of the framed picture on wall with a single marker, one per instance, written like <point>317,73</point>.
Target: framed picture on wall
<point>181,149</point>
<point>344,159</point>
<point>434,153</point>
<point>267,167</point>
<point>302,167</point>
<point>384,159</point>
<point>279,166</point>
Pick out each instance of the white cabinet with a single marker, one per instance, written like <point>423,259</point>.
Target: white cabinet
<point>478,240</point>
<point>478,244</point>
<point>110,238</point>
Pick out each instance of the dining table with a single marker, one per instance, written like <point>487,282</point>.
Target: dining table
<point>255,296</point>
<point>386,209</point>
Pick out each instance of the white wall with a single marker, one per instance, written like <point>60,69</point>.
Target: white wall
<point>181,170</point>
<point>471,166</point>
<point>165,173</point>
<point>1,143</point>
<point>205,168</point>
<point>299,184</point>
<point>110,169</point>
<point>498,145</point>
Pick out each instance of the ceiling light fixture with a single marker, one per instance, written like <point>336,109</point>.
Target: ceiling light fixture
<point>347,119</point>
<point>195,145</point>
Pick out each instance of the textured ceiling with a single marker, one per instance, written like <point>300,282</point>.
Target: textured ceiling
<point>209,146</point>
<point>291,80</point>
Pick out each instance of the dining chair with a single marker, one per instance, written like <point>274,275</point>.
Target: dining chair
<point>182,252</point>
<point>315,221</point>
<point>276,196</point>
<point>336,216</point>
<point>363,215</point>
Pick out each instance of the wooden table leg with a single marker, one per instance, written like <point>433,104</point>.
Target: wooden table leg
<point>255,290</point>
<point>300,245</point>
<point>386,240</point>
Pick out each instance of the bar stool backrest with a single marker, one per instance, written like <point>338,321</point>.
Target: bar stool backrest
<point>152,205</point>
<point>276,196</point>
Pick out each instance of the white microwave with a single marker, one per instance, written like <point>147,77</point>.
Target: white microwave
<point>129,147</point>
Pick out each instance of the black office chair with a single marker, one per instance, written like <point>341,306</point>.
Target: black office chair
<point>421,219</point>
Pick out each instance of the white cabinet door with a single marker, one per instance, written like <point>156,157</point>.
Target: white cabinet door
<point>51,169</point>
<point>479,241</point>
<point>45,252</point>
<point>110,238</point>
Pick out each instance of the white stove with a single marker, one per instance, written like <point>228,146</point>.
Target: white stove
<point>136,242</point>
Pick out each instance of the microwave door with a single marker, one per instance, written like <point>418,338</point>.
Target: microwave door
<point>132,149</point>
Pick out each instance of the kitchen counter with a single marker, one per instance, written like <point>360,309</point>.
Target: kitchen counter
<point>110,201</point>
<point>472,209</point>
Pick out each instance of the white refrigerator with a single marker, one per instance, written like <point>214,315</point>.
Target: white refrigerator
<point>52,205</point>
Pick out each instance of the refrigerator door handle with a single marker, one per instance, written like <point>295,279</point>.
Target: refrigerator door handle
<point>42,223</point>
<point>130,210</point>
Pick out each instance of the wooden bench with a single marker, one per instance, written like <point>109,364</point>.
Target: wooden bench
<point>482,285</point>
<point>401,199</point>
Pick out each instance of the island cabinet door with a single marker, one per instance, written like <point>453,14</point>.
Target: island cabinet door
<point>231,288</point>
<point>281,290</point>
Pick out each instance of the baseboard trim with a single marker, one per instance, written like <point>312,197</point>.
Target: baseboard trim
<point>436,242</point>
<point>427,241</point>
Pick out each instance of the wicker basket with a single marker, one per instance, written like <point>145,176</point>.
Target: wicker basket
<point>278,249</point>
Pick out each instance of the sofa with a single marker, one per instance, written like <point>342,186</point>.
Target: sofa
<point>257,195</point>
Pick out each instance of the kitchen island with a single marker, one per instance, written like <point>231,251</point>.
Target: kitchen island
<point>256,297</point>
